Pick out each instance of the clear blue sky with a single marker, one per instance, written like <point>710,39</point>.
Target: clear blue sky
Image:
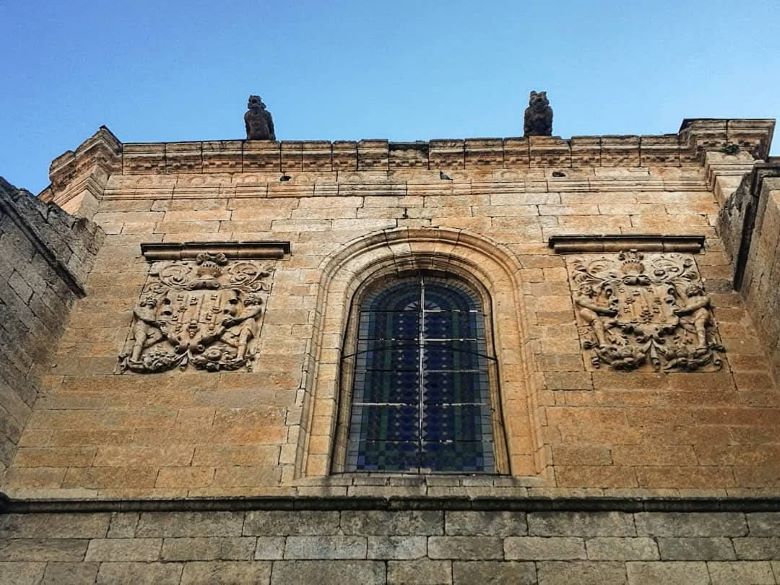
<point>350,69</point>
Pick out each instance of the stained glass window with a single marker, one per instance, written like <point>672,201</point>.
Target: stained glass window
<point>420,390</point>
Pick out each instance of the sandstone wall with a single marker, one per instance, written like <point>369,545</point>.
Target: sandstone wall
<point>100,433</point>
<point>46,256</point>
<point>443,547</point>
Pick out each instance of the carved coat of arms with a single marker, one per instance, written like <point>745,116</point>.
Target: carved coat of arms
<point>206,312</point>
<point>635,309</point>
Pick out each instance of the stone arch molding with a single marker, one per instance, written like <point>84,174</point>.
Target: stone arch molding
<point>398,251</point>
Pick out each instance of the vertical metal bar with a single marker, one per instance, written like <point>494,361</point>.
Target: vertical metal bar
<point>420,369</point>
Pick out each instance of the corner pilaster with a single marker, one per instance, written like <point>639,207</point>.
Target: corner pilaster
<point>78,179</point>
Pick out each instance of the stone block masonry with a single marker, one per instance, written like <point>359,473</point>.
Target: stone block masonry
<point>437,545</point>
<point>221,475</point>
<point>271,428</point>
<point>45,256</point>
<point>749,223</point>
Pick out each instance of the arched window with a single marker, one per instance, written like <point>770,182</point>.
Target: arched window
<point>420,374</point>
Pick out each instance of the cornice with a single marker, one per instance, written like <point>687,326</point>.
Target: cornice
<point>290,504</point>
<point>103,154</point>
<point>586,243</point>
<point>686,148</point>
<point>255,250</point>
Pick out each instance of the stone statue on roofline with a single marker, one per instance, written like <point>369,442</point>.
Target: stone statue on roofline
<point>538,115</point>
<point>258,121</point>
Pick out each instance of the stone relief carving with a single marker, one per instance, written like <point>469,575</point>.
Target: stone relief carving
<point>635,309</point>
<point>206,312</point>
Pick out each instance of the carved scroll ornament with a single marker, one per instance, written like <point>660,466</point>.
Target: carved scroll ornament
<point>205,312</point>
<point>634,309</point>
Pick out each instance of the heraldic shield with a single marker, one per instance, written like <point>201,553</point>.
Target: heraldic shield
<point>206,312</point>
<point>635,309</point>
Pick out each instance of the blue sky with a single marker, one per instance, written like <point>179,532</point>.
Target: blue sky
<point>351,69</point>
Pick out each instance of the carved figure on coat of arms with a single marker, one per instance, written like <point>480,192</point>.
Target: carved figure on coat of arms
<point>634,310</point>
<point>206,312</point>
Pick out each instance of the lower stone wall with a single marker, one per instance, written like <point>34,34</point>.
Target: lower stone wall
<point>390,547</point>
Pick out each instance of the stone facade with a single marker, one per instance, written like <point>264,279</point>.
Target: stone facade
<point>629,366</point>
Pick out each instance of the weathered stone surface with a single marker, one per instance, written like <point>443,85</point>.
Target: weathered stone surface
<point>218,572</point>
<point>396,547</point>
<point>465,547</point>
<point>328,572</point>
<point>173,524</point>
<point>70,573</point>
<point>325,547</point>
<point>422,572</point>
<point>277,523</point>
<point>754,548</point>
<point>47,255</point>
<point>485,523</point>
<point>54,526</point>
<point>580,524</point>
<point>690,524</point>
<point>392,523</point>
<point>696,549</point>
<point>43,549</point>
<point>124,549</point>
<point>493,573</point>
<point>139,574</point>
<point>123,524</point>
<point>622,549</point>
<point>581,572</point>
<point>531,548</point>
<point>652,573</point>
<point>269,548</point>
<point>207,549</point>
<point>755,573</point>
<point>21,573</point>
<point>764,523</point>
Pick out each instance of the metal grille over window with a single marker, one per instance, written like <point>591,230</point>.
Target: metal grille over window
<point>421,394</point>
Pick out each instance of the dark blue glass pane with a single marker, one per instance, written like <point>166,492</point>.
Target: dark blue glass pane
<point>388,355</point>
<point>444,298</point>
<point>451,423</point>
<point>452,355</point>
<point>385,456</point>
<point>461,456</point>
<point>451,325</point>
<point>403,297</point>
<point>385,325</point>
<point>391,423</point>
<point>454,386</point>
<point>397,386</point>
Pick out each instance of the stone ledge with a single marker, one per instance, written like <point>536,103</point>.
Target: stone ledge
<point>581,244</point>
<point>607,504</point>
<point>253,250</point>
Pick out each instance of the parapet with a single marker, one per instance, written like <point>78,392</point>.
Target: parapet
<point>236,156</point>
